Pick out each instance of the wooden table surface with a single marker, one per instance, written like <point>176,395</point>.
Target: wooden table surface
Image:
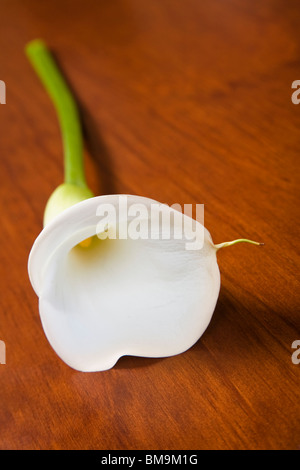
<point>181,101</point>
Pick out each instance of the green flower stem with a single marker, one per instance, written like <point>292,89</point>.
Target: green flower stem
<point>66,108</point>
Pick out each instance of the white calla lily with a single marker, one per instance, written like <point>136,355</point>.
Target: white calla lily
<point>119,297</point>
<point>102,295</point>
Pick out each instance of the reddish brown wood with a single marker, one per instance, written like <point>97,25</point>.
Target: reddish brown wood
<point>182,101</point>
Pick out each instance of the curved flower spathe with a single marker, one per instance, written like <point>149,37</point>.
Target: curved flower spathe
<point>119,297</point>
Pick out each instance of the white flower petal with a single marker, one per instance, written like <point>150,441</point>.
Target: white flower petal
<point>118,297</point>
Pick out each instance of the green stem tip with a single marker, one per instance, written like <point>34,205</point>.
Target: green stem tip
<point>66,108</point>
<point>239,240</point>
<point>74,189</point>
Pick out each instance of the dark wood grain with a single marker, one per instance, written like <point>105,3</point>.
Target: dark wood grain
<point>181,101</point>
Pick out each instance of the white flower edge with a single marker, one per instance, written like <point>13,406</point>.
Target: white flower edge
<point>150,298</point>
